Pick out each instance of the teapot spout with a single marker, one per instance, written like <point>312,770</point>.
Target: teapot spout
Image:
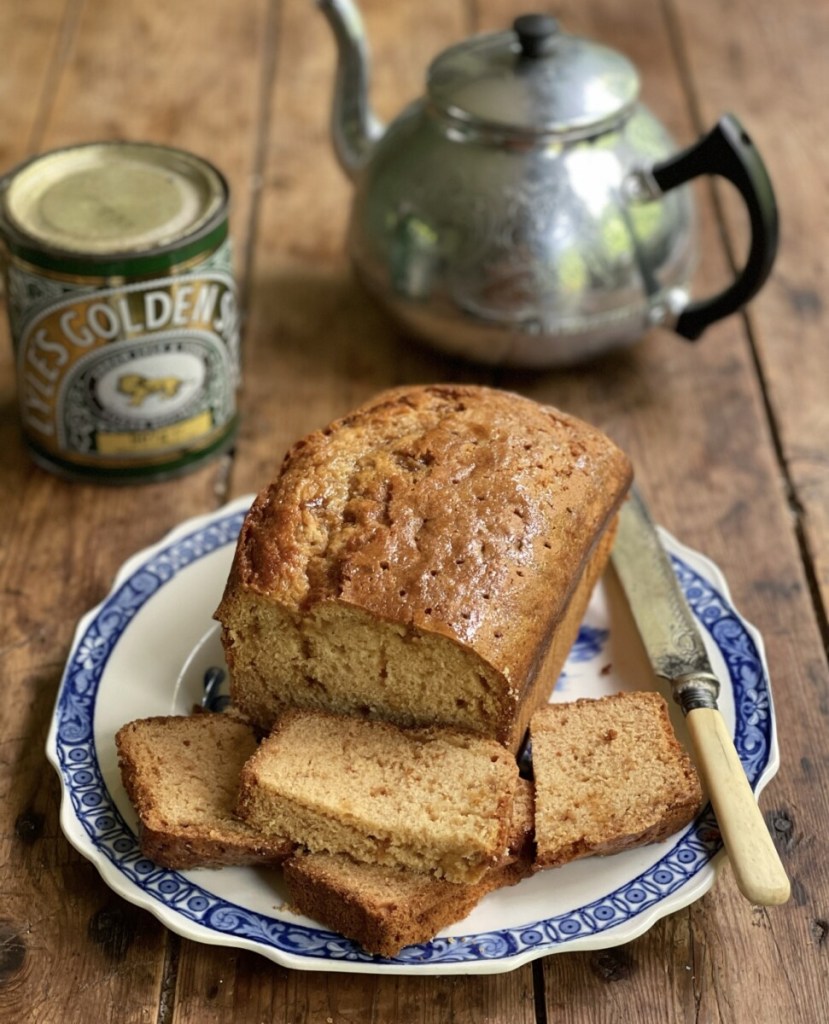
<point>354,128</point>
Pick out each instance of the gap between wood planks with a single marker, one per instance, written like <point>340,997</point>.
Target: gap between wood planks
<point>169,979</point>
<point>244,274</point>
<point>63,47</point>
<point>688,86</point>
<point>539,991</point>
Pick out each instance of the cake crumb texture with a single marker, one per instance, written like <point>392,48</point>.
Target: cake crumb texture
<point>386,908</point>
<point>181,774</point>
<point>428,799</point>
<point>610,774</point>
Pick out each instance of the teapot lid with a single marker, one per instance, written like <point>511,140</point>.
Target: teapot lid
<point>535,79</point>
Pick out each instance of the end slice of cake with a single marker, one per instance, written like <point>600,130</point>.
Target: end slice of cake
<point>181,774</point>
<point>610,774</point>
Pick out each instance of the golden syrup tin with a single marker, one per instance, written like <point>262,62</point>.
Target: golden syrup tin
<point>123,309</point>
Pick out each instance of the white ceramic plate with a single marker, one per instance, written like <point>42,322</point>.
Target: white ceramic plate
<point>145,650</point>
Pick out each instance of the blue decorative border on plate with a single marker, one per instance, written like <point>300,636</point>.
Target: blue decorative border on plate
<point>109,833</point>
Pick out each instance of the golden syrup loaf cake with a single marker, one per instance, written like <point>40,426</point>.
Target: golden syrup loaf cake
<point>425,560</point>
<point>433,800</point>
<point>181,774</point>
<point>384,909</point>
<point>609,775</point>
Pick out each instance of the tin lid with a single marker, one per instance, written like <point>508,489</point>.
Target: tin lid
<point>535,80</point>
<point>112,197</point>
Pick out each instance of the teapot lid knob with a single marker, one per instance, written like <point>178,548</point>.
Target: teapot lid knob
<point>536,33</point>
<point>533,80</point>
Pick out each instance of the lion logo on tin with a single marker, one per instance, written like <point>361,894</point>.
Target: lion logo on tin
<point>139,388</point>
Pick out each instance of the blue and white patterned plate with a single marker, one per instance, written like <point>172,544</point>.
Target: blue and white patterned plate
<point>144,651</point>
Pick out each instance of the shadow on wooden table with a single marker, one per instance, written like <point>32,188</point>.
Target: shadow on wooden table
<point>322,326</point>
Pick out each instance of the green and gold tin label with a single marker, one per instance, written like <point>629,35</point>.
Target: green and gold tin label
<point>120,374</point>
<point>122,307</point>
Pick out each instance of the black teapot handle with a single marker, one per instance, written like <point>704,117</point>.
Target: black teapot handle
<point>728,151</point>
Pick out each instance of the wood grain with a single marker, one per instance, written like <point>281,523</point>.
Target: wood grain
<point>75,951</point>
<point>751,50</point>
<point>728,438</point>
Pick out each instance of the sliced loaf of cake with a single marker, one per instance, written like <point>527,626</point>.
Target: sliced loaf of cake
<point>181,774</point>
<point>426,560</point>
<point>609,774</point>
<point>384,909</point>
<point>433,800</point>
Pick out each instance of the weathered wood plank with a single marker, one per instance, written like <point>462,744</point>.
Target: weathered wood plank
<point>34,39</point>
<point>220,987</point>
<point>767,62</point>
<point>75,951</point>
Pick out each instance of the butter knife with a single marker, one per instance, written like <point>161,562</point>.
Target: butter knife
<point>677,654</point>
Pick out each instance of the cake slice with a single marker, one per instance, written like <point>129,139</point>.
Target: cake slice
<point>432,800</point>
<point>181,774</point>
<point>384,909</point>
<point>609,774</point>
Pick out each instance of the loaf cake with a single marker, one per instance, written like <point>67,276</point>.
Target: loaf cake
<point>425,560</point>
<point>433,800</point>
<point>181,774</point>
<point>384,909</point>
<point>609,774</point>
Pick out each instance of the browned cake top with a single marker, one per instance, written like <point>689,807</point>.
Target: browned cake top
<point>458,509</point>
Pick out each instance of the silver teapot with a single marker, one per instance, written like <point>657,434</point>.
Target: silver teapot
<point>529,210</point>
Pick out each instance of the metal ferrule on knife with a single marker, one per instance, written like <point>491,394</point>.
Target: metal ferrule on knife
<point>695,690</point>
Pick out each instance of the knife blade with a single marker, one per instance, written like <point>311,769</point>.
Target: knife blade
<point>678,655</point>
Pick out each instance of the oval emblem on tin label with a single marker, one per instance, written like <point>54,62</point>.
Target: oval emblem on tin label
<point>155,387</point>
<point>155,393</point>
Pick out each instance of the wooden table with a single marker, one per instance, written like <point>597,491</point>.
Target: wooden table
<point>730,439</point>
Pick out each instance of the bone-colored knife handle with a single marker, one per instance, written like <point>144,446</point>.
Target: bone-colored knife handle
<point>758,870</point>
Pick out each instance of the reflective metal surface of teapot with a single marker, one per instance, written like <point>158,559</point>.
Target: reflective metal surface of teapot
<point>528,210</point>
